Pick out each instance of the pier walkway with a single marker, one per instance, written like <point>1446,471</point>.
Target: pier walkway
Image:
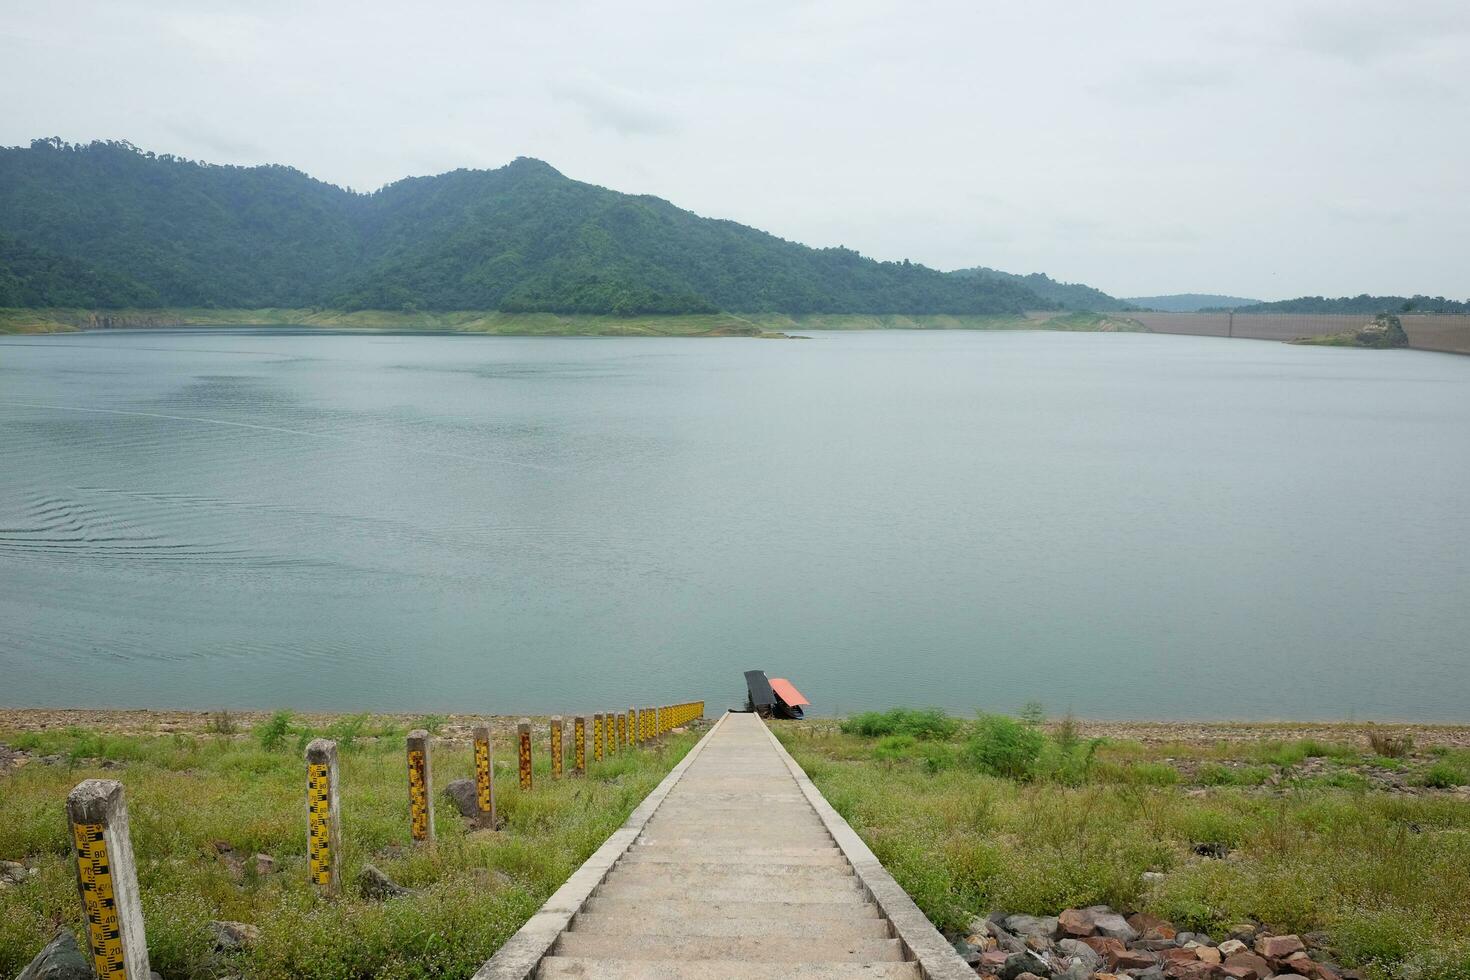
<point>734,867</point>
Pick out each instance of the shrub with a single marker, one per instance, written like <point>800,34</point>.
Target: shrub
<point>1389,745</point>
<point>272,733</point>
<point>1213,774</point>
<point>891,748</point>
<point>926,723</point>
<point>221,723</point>
<point>1004,747</point>
<point>1445,774</point>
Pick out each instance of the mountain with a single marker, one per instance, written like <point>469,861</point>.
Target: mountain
<point>117,226</point>
<point>1360,304</point>
<point>1067,295</point>
<point>1189,302</point>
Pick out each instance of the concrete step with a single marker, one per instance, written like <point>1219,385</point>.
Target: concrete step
<point>744,892</point>
<point>575,968</point>
<point>725,872</point>
<point>751,948</point>
<point>814,857</point>
<point>730,844</point>
<point>685,921</point>
<point>791,911</point>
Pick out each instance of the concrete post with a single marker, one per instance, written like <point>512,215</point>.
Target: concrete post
<point>484,778</point>
<point>108,880</point>
<point>579,744</point>
<point>597,737</point>
<point>556,749</point>
<point>323,817</point>
<point>611,735</point>
<point>420,788</point>
<point>523,750</point>
<point>622,730</point>
<point>633,726</point>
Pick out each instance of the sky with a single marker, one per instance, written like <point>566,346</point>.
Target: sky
<point>1258,149</point>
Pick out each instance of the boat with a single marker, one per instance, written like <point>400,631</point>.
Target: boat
<point>774,698</point>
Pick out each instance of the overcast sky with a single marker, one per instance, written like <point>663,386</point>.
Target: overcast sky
<point>1265,149</point>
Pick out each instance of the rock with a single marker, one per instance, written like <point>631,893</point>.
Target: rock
<point>1211,850</point>
<point>1149,973</point>
<point>229,937</point>
<point>1114,926</point>
<point>1038,943</point>
<point>1179,956</point>
<point>463,794</point>
<point>1232,946</point>
<point>1032,925</point>
<point>376,885</point>
<point>1151,878</point>
<point>1248,961</point>
<point>1003,939</point>
<point>992,960</point>
<point>1077,950</point>
<point>265,865</point>
<point>1133,959</point>
<point>1317,940</point>
<point>1244,931</point>
<point>1074,972</point>
<point>1190,971</point>
<point>1076,922</point>
<point>1289,976</point>
<point>13,872</point>
<point>968,953</point>
<point>1209,954</point>
<point>1027,962</point>
<point>1104,946</point>
<point>1151,926</point>
<point>1385,331</point>
<point>61,959</point>
<point>1279,947</point>
<point>1028,976</point>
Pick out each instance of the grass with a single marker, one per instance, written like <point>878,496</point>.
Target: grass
<point>185,792</point>
<point>551,324</point>
<point>1384,874</point>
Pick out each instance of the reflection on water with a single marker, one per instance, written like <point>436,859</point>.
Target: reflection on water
<point>1122,525</point>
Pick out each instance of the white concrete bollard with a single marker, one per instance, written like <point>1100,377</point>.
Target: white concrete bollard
<point>420,787</point>
<point>107,879</point>
<point>323,817</point>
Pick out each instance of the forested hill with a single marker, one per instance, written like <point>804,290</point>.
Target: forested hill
<point>108,225</point>
<point>1067,295</point>
<point>1360,304</point>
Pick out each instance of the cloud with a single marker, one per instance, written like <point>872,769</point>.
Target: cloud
<point>626,113</point>
<point>1159,80</point>
<point>1363,31</point>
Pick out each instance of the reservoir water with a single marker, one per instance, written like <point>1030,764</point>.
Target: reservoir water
<point>1127,526</point>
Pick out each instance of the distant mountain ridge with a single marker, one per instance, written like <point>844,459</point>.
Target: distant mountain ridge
<point>108,225</point>
<point>1189,302</point>
<point>1363,303</point>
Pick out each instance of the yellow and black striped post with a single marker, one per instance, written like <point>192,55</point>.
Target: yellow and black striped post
<point>610,736</point>
<point>633,727</point>
<point>556,747</point>
<point>596,737</point>
<point>420,788</point>
<point>323,817</point>
<point>107,880</point>
<point>523,751</point>
<point>622,730</point>
<point>579,744</point>
<point>484,778</point>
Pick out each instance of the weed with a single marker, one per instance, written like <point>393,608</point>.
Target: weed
<point>272,733</point>
<point>1389,745</point>
<point>1002,746</point>
<point>927,723</point>
<point>221,723</point>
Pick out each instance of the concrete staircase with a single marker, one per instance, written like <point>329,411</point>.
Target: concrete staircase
<point>734,873</point>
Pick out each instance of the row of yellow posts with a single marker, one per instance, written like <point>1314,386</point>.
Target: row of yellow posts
<point>107,877</point>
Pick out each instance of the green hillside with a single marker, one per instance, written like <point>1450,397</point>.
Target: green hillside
<point>1067,295</point>
<point>1364,303</point>
<point>109,225</point>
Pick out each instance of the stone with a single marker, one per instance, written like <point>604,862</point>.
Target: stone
<point>1151,926</point>
<point>1279,947</point>
<point>265,865</point>
<point>1027,976</point>
<point>966,952</point>
<point>1249,961</point>
<point>992,960</point>
<point>1149,973</point>
<point>1317,940</point>
<point>1211,849</point>
<point>1076,922</point>
<point>1179,956</point>
<point>1209,954</point>
<point>1114,926</point>
<point>1104,946</point>
<point>1075,971</point>
<point>1003,939</point>
<point>1232,946</point>
<point>1151,878</point>
<point>1244,931</point>
<point>61,959</point>
<point>1190,971</point>
<point>1027,962</point>
<point>1032,925</point>
<point>376,885</point>
<point>1133,959</point>
<point>13,872</point>
<point>232,936</point>
<point>1076,949</point>
<point>1289,976</point>
<point>464,796</point>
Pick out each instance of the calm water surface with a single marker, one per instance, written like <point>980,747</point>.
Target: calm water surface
<point>1123,525</point>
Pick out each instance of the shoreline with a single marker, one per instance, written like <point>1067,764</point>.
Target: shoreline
<point>170,721</point>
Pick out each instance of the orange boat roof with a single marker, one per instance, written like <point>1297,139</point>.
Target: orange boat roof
<point>787,692</point>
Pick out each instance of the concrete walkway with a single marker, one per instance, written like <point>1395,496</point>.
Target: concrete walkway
<point>734,867</point>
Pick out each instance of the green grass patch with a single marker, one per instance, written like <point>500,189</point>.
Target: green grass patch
<point>927,723</point>
<point>472,891</point>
